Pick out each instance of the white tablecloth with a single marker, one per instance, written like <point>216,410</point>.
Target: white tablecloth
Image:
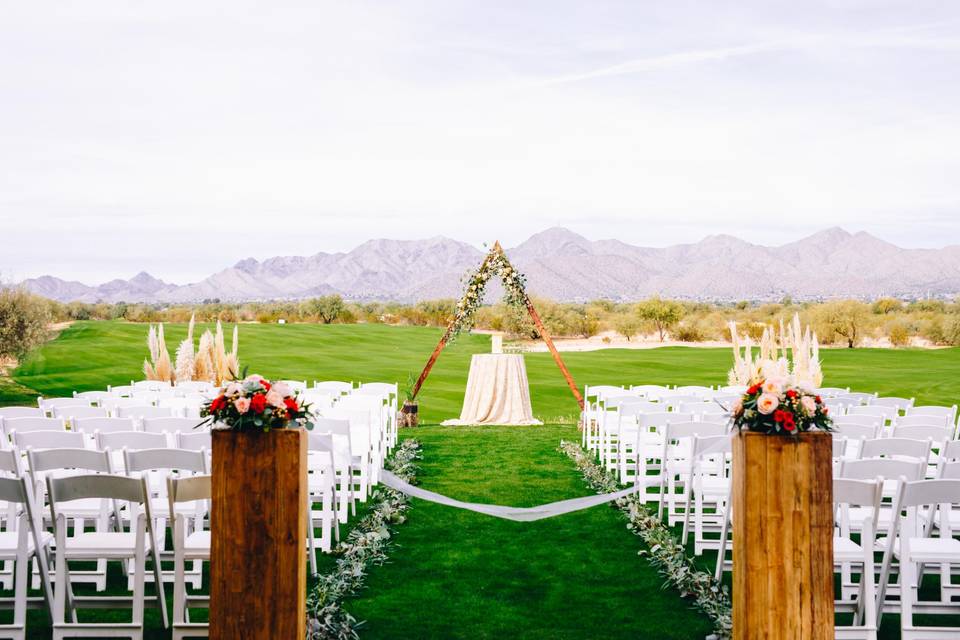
<point>497,392</point>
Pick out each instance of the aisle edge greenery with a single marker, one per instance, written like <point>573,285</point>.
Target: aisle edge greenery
<point>365,546</point>
<point>664,552</point>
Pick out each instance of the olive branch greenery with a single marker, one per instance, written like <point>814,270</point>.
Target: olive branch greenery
<point>664,551</point>
<point>475,283</point>
<point>366,546</point>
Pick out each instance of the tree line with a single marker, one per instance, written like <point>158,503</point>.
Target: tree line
<point>25,318</point>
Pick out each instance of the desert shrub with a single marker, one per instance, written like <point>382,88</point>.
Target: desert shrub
<point>899,334</point>
<point>23,322</point>
<point>884,306</point>
<point>627,325</point>
<point>688,332</point>
<point>933,330</point>
<point>951,330</point>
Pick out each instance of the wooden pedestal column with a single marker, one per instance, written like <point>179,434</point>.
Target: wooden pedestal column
<point>782,537</point>
<point>258,575</point>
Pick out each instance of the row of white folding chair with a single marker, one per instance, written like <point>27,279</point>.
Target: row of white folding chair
<point>191,543</point>
<point>28,540</point>
<point>676,459</point>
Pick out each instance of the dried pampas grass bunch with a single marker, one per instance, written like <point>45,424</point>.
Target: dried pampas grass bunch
<point>796,355</point>
<point>209,362</point>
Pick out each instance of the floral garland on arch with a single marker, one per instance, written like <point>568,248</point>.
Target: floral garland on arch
<point>475,284</point>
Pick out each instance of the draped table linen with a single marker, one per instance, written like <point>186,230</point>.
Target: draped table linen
<point>497,392</point>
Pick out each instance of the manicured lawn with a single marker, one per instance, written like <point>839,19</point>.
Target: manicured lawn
<point>465,575</point>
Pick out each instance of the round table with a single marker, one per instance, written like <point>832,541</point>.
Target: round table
<point>497,391</point>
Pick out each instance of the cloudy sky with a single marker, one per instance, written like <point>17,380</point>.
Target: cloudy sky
<point>179,137</point>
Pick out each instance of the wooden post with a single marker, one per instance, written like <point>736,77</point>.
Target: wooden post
<point>553,351</point>
<point>258,575</point>
<point>782,537</point>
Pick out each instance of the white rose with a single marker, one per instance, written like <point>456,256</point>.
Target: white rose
<point>809,405</point>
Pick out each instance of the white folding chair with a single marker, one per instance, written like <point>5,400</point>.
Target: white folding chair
<point>709,486</point>
<point>832,392</point>
<point>23,425</point>
<point>861,397</point>
<point>343,460</point>
<point>900,404</point>
<point>917,506</point>
<point>322,485</point>
<point>336,386</point>
<point>142,412</point>
<point>135,544</point>
<point>50,405</point>
<point>22,542</point>
<point>191,543</point>
<point>856,598</point>
<point>947,414</point>
<point>73,413</point>
<point>675,462</point>
<point>49,440</point>
<point>99,514</point>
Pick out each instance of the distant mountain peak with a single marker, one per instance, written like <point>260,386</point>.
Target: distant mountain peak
<point>563,265</point>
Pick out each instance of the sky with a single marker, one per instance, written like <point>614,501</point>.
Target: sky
<point>180,137</point>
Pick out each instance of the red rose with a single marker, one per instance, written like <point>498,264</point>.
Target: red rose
<point>818,400</point>
<point>791,394</point>
<point>789,424</point>
<point>291,404</point>
<point>218,403</point>
<point>266,385</point>
<point>779,416</point>
<point>258,403</point>
<point>752,390</point>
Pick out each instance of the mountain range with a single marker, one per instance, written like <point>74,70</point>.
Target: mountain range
<point>564,266</point>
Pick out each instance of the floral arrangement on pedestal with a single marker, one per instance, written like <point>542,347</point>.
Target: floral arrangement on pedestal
<point>779,406</point>
<point>475,284</point>
<point>256,404</point>
<point>795,354</point>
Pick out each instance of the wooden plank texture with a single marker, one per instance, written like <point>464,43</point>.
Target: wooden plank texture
<point>258,576</point>
<point>782,537</point>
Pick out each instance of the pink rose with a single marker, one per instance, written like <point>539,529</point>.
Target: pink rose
<point>767,403</point>
<point>737,407</point>
<point>242,404</point>
<point>275,399</point>
<point>233,389</point>
<point>809,405</point>
<point>253,377</point>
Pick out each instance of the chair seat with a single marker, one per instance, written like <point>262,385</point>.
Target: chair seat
<point>196,542</point>
<point>846,550</point>
<point>9,542</point>
<point>104,544</point>
<point>932,549</point>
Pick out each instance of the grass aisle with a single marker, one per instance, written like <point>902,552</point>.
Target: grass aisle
<point>457,574</point>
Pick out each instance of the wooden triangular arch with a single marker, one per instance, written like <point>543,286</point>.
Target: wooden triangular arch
<point>495,264</point>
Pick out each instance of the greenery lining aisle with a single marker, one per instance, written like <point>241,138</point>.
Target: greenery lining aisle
<point>458,574</point>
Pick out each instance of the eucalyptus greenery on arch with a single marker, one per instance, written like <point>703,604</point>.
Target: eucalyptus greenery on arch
<point>497,265</point>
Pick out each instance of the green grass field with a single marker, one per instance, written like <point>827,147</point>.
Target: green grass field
<point>465,575</point>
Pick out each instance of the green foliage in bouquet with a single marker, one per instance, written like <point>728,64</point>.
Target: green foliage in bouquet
<point>255,403</point>
<point>775,406</point>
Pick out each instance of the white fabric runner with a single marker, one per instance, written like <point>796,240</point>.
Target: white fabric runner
<point>517,514</point>
<point>497,392</point>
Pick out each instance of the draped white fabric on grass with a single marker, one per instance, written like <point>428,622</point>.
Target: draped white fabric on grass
<point>497,392</point>
<point>517,514</point>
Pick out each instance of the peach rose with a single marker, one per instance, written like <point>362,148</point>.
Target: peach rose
<point>773,386</point>
<point>809,405</point>
<point>737,408</point>
<point>275,399</point>
<point>233,389</point>
<point>767,403</point>
<point>242,404</point>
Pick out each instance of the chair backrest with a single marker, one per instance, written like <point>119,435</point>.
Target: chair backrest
<point>336,386</point>
<point>870,420</point>
<point>194,441</point>
<point>105,425</point>
<point>118,402</point>
<point>49,440</point>
<point>150,385</point>
<point>900,404</point>
<point>695,390</point>
<point>602,390</point>
<point>101,486</point>
<point>860,396</point>
<point>92,396</point>
<point>49,404</point>
<point>8,413</point>
<point>854,430</point>
<point>949,414</point>
<point>711,446</point>
<point>335,426</point>
<point>383,387</point>
<point>143,412</point>
<point>831,392</point>
<point>661,419</point>
<point>938,434</point>
<point>53,459</point>
<point>189,489</point>
<point>887,413</point>
<point>887,468</point>
<point>889,447</point>
<point>733,389</point>
<point>22,425</point>
<point>649,389</point>
<point>918,493</point>
<point>677,430</point>
<point>859,492</point>
<point>635,407</point>
<point>922,420</point>
<point>75,413</point>
<point>172,459</point>
<point>9,462</point>
<point>674,400</point>
<point>168,425</point>
<point>134,440</point>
